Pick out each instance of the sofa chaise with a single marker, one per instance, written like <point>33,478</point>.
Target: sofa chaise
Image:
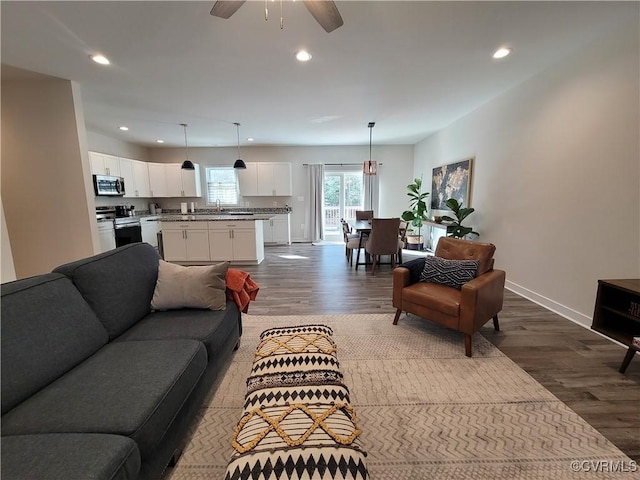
<point>96,385</point>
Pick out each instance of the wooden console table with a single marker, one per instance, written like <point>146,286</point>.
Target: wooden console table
<point>617,313</point>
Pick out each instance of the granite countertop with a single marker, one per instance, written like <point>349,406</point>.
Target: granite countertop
<point>212,218</point>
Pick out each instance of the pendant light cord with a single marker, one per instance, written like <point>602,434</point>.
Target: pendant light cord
<point>186,144</point>
<point>238,130</point>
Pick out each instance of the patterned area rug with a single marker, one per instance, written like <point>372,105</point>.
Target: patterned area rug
<point>426,410</point>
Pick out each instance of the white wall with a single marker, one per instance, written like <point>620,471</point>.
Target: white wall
<point>556,177</point>
<point>395,173</point>
<point>8,271</point>
<point>46,185</point>
<point>103,144</point>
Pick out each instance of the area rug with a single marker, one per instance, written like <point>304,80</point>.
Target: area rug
<point>426,411</point>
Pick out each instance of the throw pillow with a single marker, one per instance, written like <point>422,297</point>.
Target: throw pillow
<point>190,287</point>
<point>453,273</point>
<point>415,268</point>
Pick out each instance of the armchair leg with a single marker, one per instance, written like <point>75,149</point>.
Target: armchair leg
<point>496,325</point>
<point>395,319</point>
<point>467,345</point>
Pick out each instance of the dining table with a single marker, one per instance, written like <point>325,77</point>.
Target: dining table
<point>363,227</point>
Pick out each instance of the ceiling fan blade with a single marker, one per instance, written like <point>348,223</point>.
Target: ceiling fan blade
<point>326,13</point>
<point>226,8</point>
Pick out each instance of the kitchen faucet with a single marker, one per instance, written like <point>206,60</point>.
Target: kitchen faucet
<point>218,209</point>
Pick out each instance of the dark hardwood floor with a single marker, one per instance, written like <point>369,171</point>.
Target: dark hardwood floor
<point>577,365</point>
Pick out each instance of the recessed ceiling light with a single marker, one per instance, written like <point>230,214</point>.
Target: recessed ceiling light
<point>123,128</point>
<point>101,59</point>
<point>159,141</point>
<point>303,55</point>
<point>501,52</point>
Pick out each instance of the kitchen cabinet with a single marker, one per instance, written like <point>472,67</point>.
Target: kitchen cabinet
<point>136,178</point>
<point>107,236</point>
<point>240,241</point>
<point>268,179</point>
<point>150,227</point>
<point>185,241</point>
<point>157,180</point>
<point>170,180</point>
<point>277,230</point>
<point>104,164</point>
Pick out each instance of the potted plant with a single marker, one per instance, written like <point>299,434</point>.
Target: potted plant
<point>455,228</point>
<point>417,213</point>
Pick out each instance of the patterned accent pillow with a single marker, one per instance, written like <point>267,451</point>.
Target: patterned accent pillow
<point>453,273</point>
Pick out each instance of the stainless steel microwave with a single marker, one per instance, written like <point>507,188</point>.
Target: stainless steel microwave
<point>106,185</point>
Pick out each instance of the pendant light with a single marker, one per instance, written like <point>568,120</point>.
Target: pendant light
<point>370,167</point>
<point>239,163</point>
<point>187,164</point>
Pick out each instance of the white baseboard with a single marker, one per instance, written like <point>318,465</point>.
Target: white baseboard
<point>562,310</point>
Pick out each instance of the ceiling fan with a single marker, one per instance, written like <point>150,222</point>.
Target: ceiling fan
<point>324,11</point>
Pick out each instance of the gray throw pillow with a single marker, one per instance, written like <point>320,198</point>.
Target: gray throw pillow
<point>190,287</point>
<point>453,273</point>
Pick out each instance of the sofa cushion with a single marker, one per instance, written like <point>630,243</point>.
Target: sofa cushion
<point>47,329</point>
<point>452,273</point>
<point>133,389</point>
<point>199,286</point>
<point>441,298</point>
<point>118,284</point>
<point>210,327</point>
<point>66,456</point>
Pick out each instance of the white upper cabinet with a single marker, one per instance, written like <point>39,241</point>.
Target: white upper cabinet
<point>265,180</point>
<point>157,180</point>
<point>136,178</point>
<point>170,180</point>
<point>104,164</point>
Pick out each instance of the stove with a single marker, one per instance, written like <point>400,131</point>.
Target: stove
<point>126,228</point>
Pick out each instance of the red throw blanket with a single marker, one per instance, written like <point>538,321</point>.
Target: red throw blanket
<point>241,288</point>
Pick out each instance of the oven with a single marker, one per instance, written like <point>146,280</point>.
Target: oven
<point>127,230</point>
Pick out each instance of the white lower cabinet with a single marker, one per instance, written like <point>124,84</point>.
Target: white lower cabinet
<point>240,241</point>
<point>107,236</point>
<point>277,230</point>
<point>185,241</point>
<point>150,228</point>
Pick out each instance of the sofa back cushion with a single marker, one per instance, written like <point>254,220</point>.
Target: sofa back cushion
<point>118,284</point>
<point>47,329</point>
<point>458,249</point>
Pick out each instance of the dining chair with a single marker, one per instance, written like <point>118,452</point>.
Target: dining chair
<point>364,214</point>
<point>351,240</point>
<point>402,233</point>
<point>383,240</point>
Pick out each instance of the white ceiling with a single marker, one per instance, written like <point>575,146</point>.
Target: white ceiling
<point>412,67</point>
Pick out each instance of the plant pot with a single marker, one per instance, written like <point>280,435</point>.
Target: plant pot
<point>415,242</point>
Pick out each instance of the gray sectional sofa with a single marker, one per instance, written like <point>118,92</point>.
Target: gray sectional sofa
<point>96,385</point>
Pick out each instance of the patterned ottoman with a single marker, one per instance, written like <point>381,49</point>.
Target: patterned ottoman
<point>297,421</point>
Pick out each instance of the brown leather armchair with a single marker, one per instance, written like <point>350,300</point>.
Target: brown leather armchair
<point>464,310</point>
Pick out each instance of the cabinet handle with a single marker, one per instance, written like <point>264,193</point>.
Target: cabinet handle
<point>229,233</point>
<point>182,192</point>
<point>186,234</point>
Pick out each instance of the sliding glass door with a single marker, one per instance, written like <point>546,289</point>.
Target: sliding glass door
<point>343,195</point>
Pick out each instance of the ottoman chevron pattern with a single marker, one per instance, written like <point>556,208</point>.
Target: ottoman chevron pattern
<point>297,422</point>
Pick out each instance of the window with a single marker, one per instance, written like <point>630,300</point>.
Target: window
<point>222,184</point>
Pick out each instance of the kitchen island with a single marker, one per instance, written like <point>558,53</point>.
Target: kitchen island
<point>199,239</point>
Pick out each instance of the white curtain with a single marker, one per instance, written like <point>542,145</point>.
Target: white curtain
<point>316,200</point>
<point>371,192</point>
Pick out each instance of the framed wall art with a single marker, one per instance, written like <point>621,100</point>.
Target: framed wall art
<point>451,181</point>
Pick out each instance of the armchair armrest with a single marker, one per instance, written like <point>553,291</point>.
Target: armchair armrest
<point>481,299</point>
<point>401,279</point>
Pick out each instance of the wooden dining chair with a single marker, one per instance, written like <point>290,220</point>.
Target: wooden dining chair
<point>351,240</point>
<point>364,214</point>
<point>383,240</point>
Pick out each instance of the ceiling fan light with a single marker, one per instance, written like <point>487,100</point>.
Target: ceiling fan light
<point>239,163</point>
